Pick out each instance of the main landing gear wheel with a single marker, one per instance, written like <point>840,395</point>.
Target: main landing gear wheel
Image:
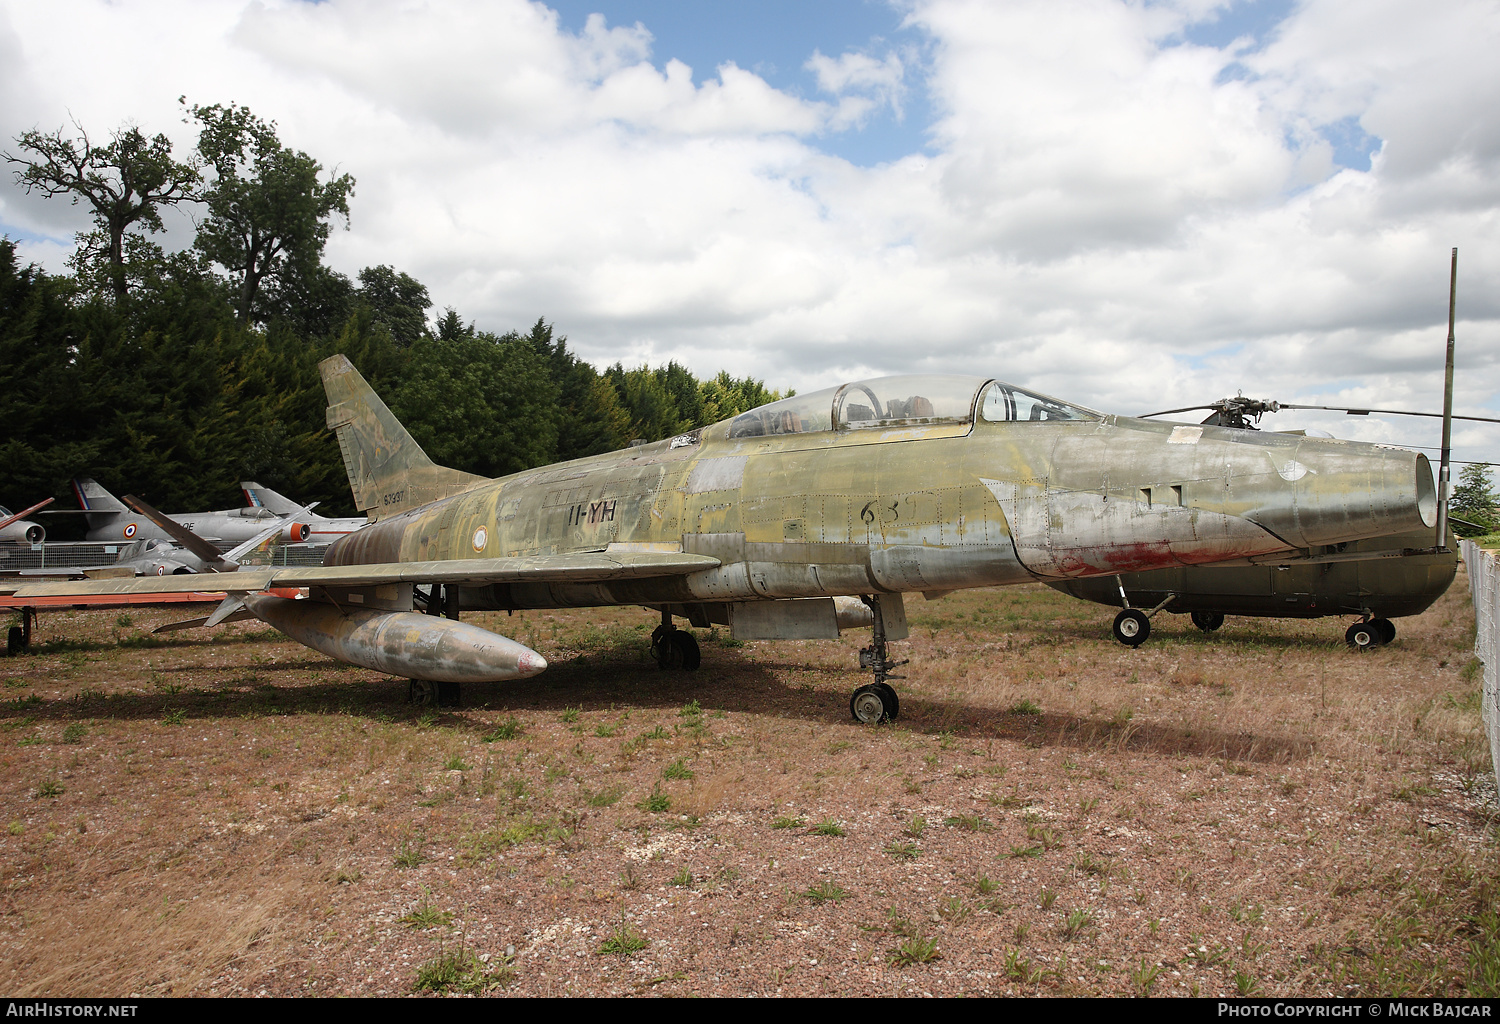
<point>1207,621</point>
<point>872,703</point>
<point>1363,636</point>
<point>1132,627</point>
<point>675,648</point>
<point>892,702</point>
<point>425,693</point>
<point>1387,629</point>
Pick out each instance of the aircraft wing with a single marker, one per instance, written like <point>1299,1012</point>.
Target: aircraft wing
<point>25,512</point>
<point>581,567</point>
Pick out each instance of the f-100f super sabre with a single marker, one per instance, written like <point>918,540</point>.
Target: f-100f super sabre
<point>789,519</point>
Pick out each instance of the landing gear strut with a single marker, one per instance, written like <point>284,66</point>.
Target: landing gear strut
<point>18,639</point>
<point>674,648</point>
<point>877,701</point>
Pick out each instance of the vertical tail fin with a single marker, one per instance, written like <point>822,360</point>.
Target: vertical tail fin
<point>260,496</point>
<point>388,471</point>
<point>101,509</point>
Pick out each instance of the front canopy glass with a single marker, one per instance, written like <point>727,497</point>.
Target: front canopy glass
<point>914,400</point>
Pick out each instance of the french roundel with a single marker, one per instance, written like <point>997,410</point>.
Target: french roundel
<point>481,538</point>
<point>161,570</point>
<point>129,530</point>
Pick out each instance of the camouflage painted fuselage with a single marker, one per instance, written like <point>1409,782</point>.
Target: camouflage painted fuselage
<point>916,508</point>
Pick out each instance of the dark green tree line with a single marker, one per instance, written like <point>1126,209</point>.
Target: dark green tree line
<point>189,378</point>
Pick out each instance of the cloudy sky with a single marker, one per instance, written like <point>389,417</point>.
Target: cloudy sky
<point>1134,205</point>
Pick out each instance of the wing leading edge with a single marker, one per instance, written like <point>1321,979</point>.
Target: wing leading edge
<point>583,567</point>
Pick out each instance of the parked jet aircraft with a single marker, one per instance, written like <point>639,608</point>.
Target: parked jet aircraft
<point>110,519</point>
<point>874,489</point>
<point>1383,578</point>
<point>321,529</point>
<point>14,529</point>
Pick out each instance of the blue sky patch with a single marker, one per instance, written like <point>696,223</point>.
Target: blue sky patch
<point>1352,145</point>
<point>1257,19</point>
<point>774,39</point>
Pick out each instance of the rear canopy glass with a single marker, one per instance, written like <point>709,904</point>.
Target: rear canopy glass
<point>914,400</point>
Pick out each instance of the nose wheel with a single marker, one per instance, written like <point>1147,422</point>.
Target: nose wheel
<point>877,701</point>
<point>1132,627</point>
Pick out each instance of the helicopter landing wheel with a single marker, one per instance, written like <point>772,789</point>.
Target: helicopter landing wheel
<point>1207,621</point>
<point>1386,628</point>
<point>1132,627</point>
<point>1363,636</point>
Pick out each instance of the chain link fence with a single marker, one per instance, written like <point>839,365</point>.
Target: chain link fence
<point>1484,585</point>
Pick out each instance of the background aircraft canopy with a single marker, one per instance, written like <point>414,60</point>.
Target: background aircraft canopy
<point>913,400</point>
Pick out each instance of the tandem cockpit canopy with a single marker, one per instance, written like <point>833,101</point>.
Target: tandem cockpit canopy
<point>913,400</point>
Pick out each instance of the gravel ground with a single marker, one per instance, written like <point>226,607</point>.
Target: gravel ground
<point>1256,811</point>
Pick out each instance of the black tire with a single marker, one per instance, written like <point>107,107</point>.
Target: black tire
<point>1132,627</point>
<point>1207,621</point>
<point>15,641</point>
<point>1387,629</point>
<point>688,656</point>
<point>868,705</point>
<point>1362,636</point>
<point>892,702</point>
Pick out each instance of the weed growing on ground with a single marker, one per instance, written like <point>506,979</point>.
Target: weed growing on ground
<point>915,950</point>
<point>677,770</point>
<point>623,941</point>
<point>409,856</point>
<point>827,827</point>
<point>902,851</point>
<point>506,730</point>
<point>788,822</point>
<point>461,970</point>
<point>824,892</point>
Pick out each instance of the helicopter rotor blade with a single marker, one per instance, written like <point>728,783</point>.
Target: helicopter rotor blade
<point>1168,412</point>
<point>1390,412</point>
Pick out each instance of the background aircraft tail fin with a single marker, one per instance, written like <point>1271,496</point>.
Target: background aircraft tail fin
<point>388,471</point>
<point>99,506</point>
<point>261,496</point>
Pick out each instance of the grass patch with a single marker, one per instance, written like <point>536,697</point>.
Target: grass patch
<point>827,827</point>
<point>509,729</point>
<point>623,941</point>
<point>914,950</point>
<point>824,892</point>
<point>460,970</point>
<point>677,770</point>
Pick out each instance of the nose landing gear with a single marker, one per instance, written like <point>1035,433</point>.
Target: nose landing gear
<point>877,701</point>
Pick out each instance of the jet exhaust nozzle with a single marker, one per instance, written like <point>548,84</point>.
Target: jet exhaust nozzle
<point>1339,495</point>
<point>401,643</point>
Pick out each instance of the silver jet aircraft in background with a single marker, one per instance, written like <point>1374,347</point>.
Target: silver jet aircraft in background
<point>112,521</point>
<point>321,529</point>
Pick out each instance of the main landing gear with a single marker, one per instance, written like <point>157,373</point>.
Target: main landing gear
<point>674,648</point>
<point>18,639</point>
<point>1132,626</point>
<point>1362,636</point>
<point>877,701</point>
<point>1207,621</point>
<point>438,600</point>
